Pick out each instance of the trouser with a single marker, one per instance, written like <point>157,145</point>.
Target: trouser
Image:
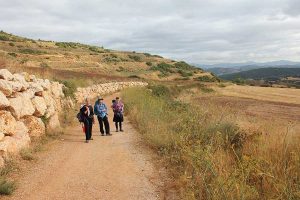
<point>104,121</point>
<point>88,125</point>
<point>120,124</point>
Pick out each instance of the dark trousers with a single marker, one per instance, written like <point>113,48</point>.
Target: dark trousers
<point>120,124</point>
<point>88,125</point>
<point>104,121</point>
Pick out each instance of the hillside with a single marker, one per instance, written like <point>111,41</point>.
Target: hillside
<point>264,73</point>
<point>66,60</point>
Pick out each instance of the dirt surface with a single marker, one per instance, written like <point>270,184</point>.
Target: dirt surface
<point>109,167</point>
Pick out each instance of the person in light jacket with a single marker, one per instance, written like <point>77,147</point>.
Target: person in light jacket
<point>101,111</point>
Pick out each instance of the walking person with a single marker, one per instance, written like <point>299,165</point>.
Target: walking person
<point>87,113</point>
<point>101,111</point>
<point>118,108</point>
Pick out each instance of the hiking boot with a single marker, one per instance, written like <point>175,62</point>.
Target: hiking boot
<point>122,130</point>
<point>91,138</point>
<point>102,134</point>
<point>86,141</point>
<point>117,130</point>
<point>108,134</point>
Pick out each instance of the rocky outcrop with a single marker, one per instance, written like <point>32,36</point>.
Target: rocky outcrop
<point>103,89</point>
<point>3,101</point>
<point>24,101</point>
<point>35,125</point>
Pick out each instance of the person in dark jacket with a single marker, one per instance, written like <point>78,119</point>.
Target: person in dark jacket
<point>88,119</point>
<point>118,108</point>
<point>101,111</point>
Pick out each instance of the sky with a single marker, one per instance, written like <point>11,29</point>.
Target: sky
<point>197,31</point>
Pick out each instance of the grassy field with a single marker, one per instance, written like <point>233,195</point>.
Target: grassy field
<point>283,95</point>
<point>209,152</point>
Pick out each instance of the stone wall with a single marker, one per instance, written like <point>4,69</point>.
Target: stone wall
<point>26,104</point>
<point>103,89</point>
<point>29,106</point>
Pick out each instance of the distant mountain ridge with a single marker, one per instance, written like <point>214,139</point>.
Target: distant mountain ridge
<point>264,73</point>
<point>230,68</point>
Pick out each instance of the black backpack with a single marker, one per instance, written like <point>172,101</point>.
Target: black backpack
<point>80,116</point>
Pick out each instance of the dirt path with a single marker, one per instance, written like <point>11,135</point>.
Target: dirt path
<point>113,167</point>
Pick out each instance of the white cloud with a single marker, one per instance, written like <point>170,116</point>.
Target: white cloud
<point>198,31</point>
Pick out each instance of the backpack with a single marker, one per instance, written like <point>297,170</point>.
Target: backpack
<point>80,116</point>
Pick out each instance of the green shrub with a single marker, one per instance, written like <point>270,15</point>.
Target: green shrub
<point>135,58</point>
<point>12,54</point>
<point>239,81</point>
<point>185,73</point>
<point>26,154</point>
<point>66,44</point>
<point>32,51</point>
<point>183,65</point>
<point>44,65</point>
<point>207,78</point>
<point>11,44</point>
<point>207,90</point>
<point>4,37</point>
<point>163,67</point>
<point>96,49</point>
<point>160,90</point>
<point>70,88</point>
<point>147,54</point>
<point>6,187</point>
<point>149,63</point>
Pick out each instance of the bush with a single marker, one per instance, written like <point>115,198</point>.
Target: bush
<point>12,54</point>
<point>26,154</point>
<point>44,65</point>
<point>183,65</point>
<point>96,49</point>
<point>66,44</point>
<point>160,90</point>
<point>239,81</point>
<point>163,67</point>
<point>4,37</point>
<point>70,88</point>
<point>149,63</point>
<point>11,44</point>
<point>147,54</point>
<point>207,78</point>
<point>135,58</point>
<point>185,73</point>
<point>32,51</point>
<point>6,187</point>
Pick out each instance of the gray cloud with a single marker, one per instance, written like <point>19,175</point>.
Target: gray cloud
<point>199,31</point>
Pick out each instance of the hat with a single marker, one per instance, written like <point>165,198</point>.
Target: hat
<point>117,97</point>
<point>100,98</point>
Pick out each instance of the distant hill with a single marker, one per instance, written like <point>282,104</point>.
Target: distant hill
<point>222,71</point>
<point>264,73</point>
<point>70,60</point>
<point>252,64</point>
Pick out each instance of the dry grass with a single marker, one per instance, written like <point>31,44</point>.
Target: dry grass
<point>286,95</point>
<point>210,157</point>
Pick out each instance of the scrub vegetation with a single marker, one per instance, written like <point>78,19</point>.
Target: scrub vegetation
<point>208,154</point>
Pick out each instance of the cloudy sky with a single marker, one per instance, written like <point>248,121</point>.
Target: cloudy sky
<point>198,31</point>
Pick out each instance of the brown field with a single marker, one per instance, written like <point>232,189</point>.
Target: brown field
<point>284,95</point>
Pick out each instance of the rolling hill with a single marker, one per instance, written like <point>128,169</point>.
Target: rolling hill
<point>66,60</point>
